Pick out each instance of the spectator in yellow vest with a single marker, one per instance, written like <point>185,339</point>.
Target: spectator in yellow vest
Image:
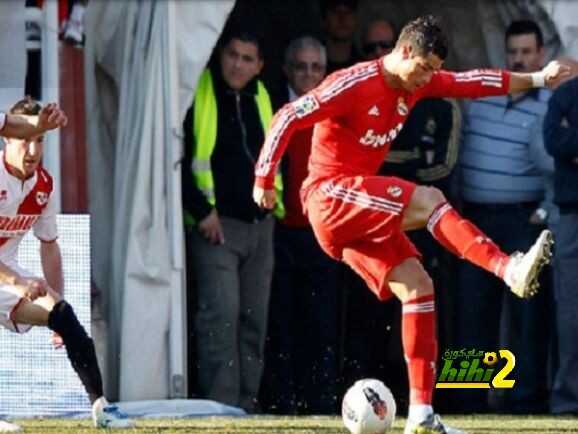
<point>230,240</point>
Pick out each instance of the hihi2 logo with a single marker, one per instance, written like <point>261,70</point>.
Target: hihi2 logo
<point>476,369</point>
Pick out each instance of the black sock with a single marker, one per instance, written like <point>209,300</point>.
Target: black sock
<point>79,347</point>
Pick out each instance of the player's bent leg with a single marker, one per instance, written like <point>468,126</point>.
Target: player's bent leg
<point>464,239</point>
<point>82,355</point>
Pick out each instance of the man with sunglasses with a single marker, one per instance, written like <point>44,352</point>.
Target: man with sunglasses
<point>378,39</point>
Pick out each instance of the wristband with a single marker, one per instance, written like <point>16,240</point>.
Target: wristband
<point>538,79</point>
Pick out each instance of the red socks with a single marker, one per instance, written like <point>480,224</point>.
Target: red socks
<point>420,347</point>
<point>465,240</point>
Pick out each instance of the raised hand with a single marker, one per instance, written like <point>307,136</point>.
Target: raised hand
<point>51,117</point>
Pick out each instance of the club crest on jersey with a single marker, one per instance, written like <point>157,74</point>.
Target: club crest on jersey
<point>305,105</point>
<point>41,198</point>
<point>394,191</point>
<point>402,107</point>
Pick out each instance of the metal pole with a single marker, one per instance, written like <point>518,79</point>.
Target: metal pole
<point>178,326</point>
<point>51,91</point>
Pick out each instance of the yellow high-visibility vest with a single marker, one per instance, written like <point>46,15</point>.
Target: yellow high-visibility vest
<point>205,120</point>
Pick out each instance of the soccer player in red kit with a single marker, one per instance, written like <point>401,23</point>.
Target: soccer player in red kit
<point>360,218</point>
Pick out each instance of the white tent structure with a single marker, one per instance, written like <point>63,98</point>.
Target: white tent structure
<point>142,59</point>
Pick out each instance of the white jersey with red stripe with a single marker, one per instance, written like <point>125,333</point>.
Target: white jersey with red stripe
<point>24,205</point>
<point>357,116</point>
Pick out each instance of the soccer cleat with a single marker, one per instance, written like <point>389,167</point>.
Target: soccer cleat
<point>9,427</point>
<point>432,425</point>
<point>105,415</point>
<point>523,269</point>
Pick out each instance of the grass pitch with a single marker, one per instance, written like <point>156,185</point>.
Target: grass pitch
<point>486,424</point>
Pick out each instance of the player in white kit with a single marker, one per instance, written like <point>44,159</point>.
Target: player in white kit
<point>25,300</point>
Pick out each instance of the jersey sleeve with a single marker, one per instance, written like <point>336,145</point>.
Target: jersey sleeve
<point>477,83</point>
<point>45,228</point>
<point>2,120</point>
<point>334,97</point>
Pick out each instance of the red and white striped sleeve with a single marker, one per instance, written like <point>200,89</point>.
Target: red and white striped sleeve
<point>476,83</point>
<point>334,97</point>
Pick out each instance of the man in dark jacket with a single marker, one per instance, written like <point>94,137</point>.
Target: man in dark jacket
<point>561,140</point>
<point>230,239</point>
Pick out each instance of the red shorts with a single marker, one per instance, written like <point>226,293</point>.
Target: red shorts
<point>358,220</point>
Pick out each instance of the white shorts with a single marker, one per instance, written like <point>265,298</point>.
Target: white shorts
<point>9,301</point>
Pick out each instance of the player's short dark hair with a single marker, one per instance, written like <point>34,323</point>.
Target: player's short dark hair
<point>244,35</point>
<point>426,36</point>
<point>26,107</point>
<point>525,27</point>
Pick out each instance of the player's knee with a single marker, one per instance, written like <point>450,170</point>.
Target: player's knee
<point>432,198</point>
<point>419,286</point>
<point>422,286</point>
<point>427,200</point>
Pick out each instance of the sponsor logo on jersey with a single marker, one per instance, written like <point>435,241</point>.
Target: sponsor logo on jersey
<point>305,105</point>
<point>394,191</point>
<point>3,194</point>
<point>373,111</point>
<point>376,140</point>
<point>402,107</point>
<point>17,225</point>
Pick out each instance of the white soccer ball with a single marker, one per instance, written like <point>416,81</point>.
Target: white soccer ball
<point>368,407</point>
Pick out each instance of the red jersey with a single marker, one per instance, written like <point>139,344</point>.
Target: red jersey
<point>357,116</point>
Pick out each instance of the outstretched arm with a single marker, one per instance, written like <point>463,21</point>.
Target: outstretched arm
<point>26,127</point>
<point>479,83</point>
